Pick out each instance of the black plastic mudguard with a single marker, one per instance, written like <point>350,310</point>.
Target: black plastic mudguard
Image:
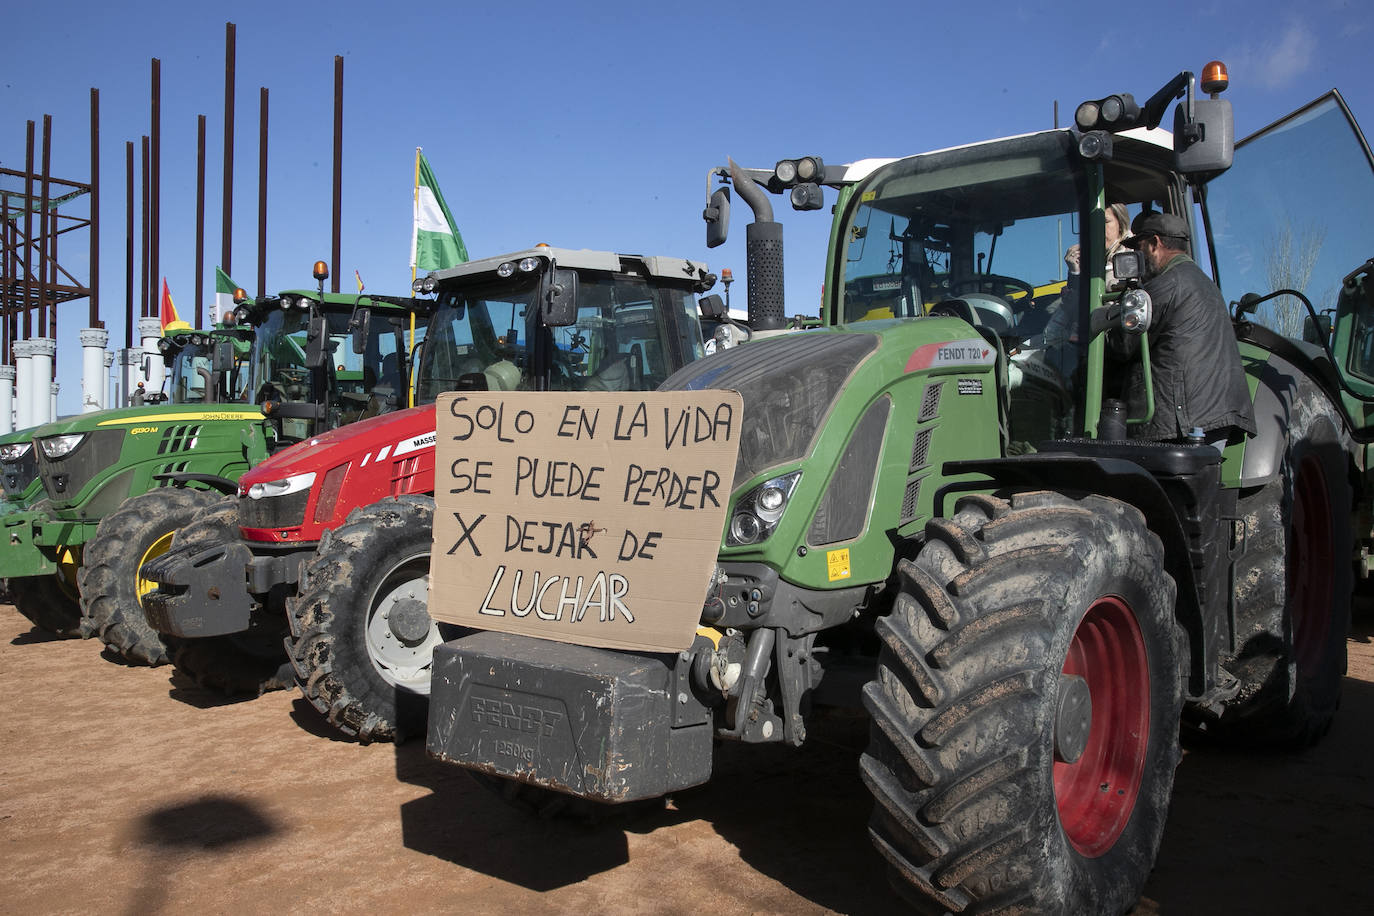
<point>600,724</point>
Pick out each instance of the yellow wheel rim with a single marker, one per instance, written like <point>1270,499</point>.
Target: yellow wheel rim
<point>157,549</point>
<point>67,565</point>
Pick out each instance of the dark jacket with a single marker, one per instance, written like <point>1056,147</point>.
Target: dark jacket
<point>1197,375</point>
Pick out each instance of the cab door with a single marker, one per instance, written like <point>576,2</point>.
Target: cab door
<point>1296,211</point>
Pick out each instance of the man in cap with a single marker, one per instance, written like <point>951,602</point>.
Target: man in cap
<point>1196,371</point>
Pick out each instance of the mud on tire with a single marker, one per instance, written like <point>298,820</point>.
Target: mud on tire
<point>1294,586</point>
<point>1030,660</point>
<point>362,640</point>
<point>111,585</point>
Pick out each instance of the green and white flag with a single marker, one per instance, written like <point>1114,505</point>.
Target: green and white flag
<point>436,242</point>
<point>224,296</point>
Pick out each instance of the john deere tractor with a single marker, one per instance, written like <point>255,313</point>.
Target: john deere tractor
<point>202,367</point>
<point>940,517</point>
<point>327,545</point>
<point>120,482</point>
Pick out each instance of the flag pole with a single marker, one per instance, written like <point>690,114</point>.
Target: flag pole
<point>414,238</point>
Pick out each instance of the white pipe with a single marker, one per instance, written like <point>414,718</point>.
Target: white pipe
<point>93,342</point>
<point>44,350</point>
<point>150,329</point>
<point>108,361</point>
<point>23,381</point>
<point>131,368</point>
<point>6,399</point>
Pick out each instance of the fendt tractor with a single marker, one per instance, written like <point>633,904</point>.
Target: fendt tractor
<point>119,483</point>
<point>345,519</point>
<point>1026,601</point>
<point>202,367</point>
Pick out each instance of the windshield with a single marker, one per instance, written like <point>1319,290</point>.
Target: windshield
<point>979,234</point>
<point>279,371</point>
<point>628,335</point>
<point>190,369</point>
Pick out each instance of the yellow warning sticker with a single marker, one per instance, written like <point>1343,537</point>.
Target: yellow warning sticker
<point>837,563</point>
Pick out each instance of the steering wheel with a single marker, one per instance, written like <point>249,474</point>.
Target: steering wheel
<point>996,284</point>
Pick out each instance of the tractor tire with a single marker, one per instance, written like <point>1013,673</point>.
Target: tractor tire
<point>237,664</point>
<point>363,641</point>
<point>111,584</point>
<point>1026,709</point>
<point>49,603</point>
<point>1294,587</point>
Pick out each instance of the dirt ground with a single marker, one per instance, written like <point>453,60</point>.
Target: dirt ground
<point>125,790</point>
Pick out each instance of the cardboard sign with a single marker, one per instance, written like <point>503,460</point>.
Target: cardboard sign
<point>587,517</point>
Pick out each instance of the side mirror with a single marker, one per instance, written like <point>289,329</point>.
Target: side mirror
<point>1126,265</point>
<point>1207,143</point>
<point>1249,304</point>
<point>314,343</point>
<point>558,298</point>
<point>222,357</point>
<point>712,307</point>
<point>362,321</point>
<point>717,216</point>
<point>1316,330</point>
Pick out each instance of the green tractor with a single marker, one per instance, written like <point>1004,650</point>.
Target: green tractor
<point>937,516</point>
<point>202,366</point>
<point>119,483</point>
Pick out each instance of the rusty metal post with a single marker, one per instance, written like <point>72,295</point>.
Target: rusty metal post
<point>95,321</point>
<point>28,233</point>
<point>200,219</point>
<point>155,194</point>
<point>262,191</point>
<point>143,231</point>
<point>129,244</point>
<point>227,226</point>
<point>47,241</point>
<point>335,248</point>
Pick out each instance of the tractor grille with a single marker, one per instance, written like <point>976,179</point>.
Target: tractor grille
<point>918,469</point>
<point>174,467</point>
<point>19,474</point>
<point>408,476</point>
<point>930,403</point>
<point>275,512</point>
<point>844,509</point>
<point>180,437</point>
<point>64,478</point>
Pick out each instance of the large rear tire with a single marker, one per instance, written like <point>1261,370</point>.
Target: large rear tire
<point>362,639</point>
<point>1294,586</point>
<point>111,584</point>
<point>1026,709</point>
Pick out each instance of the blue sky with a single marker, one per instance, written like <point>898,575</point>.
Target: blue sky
<point>590,125</point>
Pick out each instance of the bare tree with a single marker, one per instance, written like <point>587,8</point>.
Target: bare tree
<point>1289,260</point>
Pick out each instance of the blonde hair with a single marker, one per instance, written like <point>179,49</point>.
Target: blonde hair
<point>1123,223</point>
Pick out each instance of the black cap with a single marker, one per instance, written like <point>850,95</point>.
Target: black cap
<point>1154,223</point>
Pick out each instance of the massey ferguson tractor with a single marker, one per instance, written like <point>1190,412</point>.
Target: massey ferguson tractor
<point>1027,601</point>
<point>327,545</point>
<point>119,483</point>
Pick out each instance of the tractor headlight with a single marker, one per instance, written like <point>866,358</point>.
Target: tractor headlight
<point>758,512</point>
<point>14,451</point>
<point>274,488</point>
<point>61,446</point>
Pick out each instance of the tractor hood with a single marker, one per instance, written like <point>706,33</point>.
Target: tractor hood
<point>379,440</point>
<point>125,417</point>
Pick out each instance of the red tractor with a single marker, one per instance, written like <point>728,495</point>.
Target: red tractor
<point>327,545</point>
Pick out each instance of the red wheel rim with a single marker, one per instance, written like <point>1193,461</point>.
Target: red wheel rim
<point>1312,549</point>
<point>1097,793</point>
